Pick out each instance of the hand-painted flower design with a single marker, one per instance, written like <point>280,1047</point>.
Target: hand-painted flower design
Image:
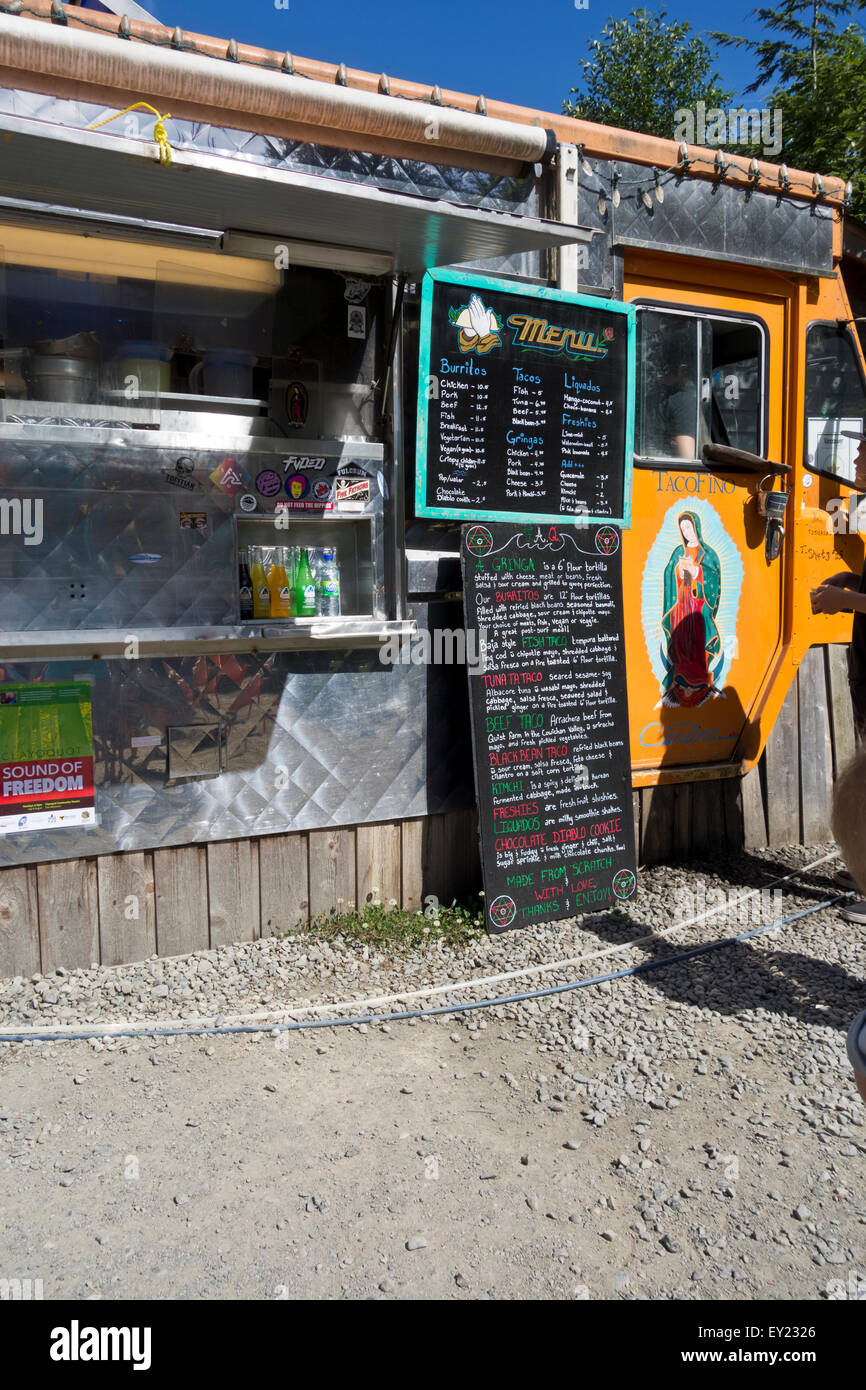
<point>624,883</point>
<point>503,911</point>
<point>608,333</point>
<point>479,541</point>
<point>607,540</point>
<point>477,326</point>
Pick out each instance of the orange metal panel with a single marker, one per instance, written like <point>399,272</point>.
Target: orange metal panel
<point>747,629</point>
<point>773,625</point>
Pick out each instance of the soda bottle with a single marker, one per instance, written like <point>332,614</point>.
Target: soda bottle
<point>278,584</point>
<point>305,588</point>
<point>259,575</point>
<point>291,554</point>
<point>245,586</point>
<point>328,585</point>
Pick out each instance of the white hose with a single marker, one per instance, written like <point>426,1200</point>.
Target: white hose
<point>294,1011</point>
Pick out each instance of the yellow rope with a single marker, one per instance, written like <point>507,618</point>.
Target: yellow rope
<point>159,134</point>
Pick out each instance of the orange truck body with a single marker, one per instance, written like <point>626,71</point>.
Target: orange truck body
<point>774,622</point>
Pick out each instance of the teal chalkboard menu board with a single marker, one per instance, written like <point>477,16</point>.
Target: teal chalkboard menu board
<point>525,403</point>
<point>549,719</point>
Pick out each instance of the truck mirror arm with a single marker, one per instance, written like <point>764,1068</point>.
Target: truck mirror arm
<point>725,457</point>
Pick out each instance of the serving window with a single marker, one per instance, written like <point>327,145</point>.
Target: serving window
<point>835,400</point>
<point>700,380</point>
<point>98,327</point>
<point>210,426</point>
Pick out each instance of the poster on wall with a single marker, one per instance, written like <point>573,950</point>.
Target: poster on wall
<point>46,757</point>
<point>829,449</point>
<point>525,403</point>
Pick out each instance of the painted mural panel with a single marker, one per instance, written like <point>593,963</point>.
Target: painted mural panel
<point>706,605</point>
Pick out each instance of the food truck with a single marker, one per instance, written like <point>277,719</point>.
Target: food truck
<point>214,719</point>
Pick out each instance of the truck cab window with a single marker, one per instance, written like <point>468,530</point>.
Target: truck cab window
<point>667,424</point>
<point>699,382</point>
<point>835,400</point>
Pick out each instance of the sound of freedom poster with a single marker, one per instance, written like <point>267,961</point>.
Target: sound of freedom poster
<point>46,757</point>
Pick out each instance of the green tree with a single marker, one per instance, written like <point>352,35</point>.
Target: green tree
<point>642,70</point>
<point>820,76</point>
<point>809,27</point>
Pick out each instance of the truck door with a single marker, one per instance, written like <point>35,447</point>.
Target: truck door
<point>703,604</point>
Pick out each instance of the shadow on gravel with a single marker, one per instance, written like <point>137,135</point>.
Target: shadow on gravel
<point>737,978</point>
<point>745,871</point>
<point>739,873</point>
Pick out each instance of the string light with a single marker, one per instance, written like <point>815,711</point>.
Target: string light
<point>584,162</point>
<point>719,165</point>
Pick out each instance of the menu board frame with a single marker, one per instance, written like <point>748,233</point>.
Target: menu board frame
<point>557,862</point>
<point>486,283</point>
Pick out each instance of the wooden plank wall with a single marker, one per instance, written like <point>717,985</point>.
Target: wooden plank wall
<point>168,902</point>
<point>126,907</point>
<point>785,800</point>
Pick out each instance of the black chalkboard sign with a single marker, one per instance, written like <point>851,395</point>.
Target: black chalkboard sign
<point>525,403</point>
<point>549,719</point>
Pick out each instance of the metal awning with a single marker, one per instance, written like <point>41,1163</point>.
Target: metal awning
<point>90,170</point>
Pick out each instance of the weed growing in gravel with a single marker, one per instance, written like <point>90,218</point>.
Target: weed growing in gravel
<point>387,925</point>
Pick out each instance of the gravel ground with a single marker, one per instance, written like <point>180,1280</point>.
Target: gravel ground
<point>692,1133</point>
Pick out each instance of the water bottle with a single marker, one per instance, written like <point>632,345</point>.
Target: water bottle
<point>328,586</point>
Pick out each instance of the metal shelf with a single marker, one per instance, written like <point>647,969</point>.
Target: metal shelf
<point>108,644</point>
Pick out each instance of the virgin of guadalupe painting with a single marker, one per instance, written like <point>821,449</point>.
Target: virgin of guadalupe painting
<point>692,591</point>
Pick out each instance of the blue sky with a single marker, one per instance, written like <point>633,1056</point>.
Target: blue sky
<point>527,53</point>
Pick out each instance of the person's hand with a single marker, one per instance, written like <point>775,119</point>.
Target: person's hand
<point>828,598</point>
<point>842,580</point>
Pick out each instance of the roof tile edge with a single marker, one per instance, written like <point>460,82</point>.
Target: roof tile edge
<point>604,142</point>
